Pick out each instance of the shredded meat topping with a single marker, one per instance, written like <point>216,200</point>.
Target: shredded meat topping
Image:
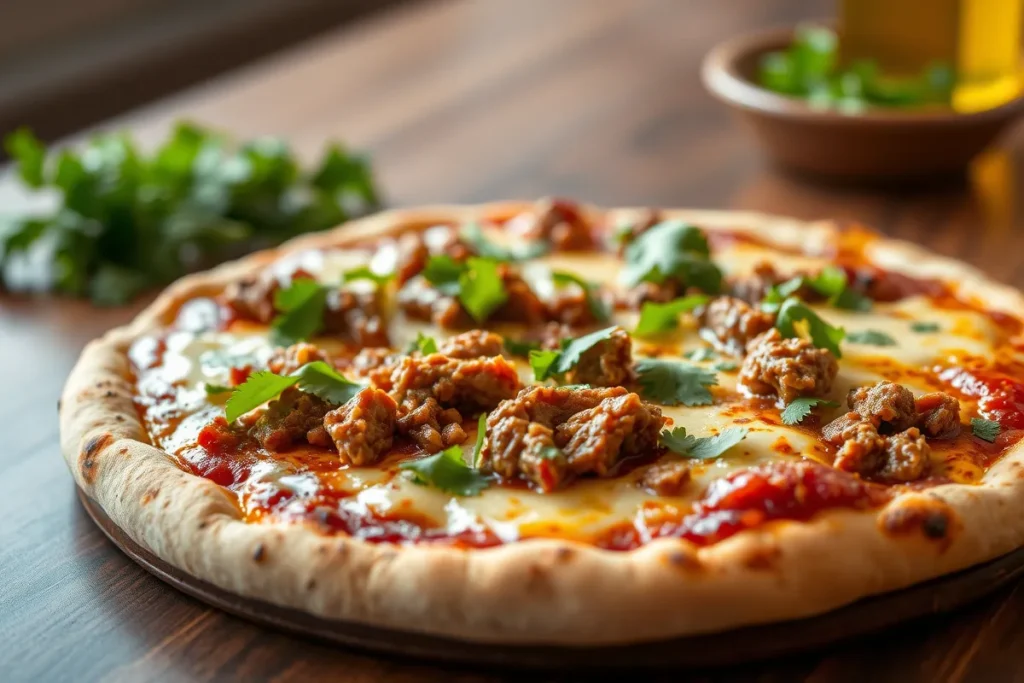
<point>295,416</point>
<point>253,298</point>
<point>285,361</point>
<point>362,429</point>
<point>355,317</point>
<point>561,224</point>
<point>608,363</point>
<point>667,478</point>
<point>789,368</point>
<point>548,434</point>
<point>472,344</point>
<point>730,324</point>
<point>899,457</point>
<point>753,286</point>
<point>888,406</point>
<point>938,415</point>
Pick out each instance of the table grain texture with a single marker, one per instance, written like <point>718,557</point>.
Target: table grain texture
<point>462,101</point>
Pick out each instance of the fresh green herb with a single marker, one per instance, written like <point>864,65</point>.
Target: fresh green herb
<point>548,363</point>
<point>923,327</point>
<point>481,435</point>
<point>317,378</point>
<point>658,318</point>
<point>623,234</point>
<point>987,430</point>
<point>519,347</point>
<point>473,235</point>
<point>830,282</point>
<point>214,389</point>
<point>302,305</point>
<point>476,283</point>
<point>800,408</point>
<point>700,355</point>
<point>793,311</point>
<point>424,344</point>
<point>724,366</point>
<point>448,472</point>
<point>672,250</point>
<point>125,222</point>
<point>671,382</point>
<point>541,361</point>
<point>871,337</point>
<point>598,308</point>
<point>702,448</point>
<point>364,273</point>
<point>809,68</point>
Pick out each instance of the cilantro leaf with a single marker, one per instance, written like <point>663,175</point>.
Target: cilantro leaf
<point>800,408</point>
<point>477,283</point>
<point>448,472</point>
<point>424,344</point>
<point>322,380</point>
<point>473,235</point>
<point>364,273</point>
<point>671,250</point>
<point>214,389</point>
<point>776,294</point>
<point>872,337</point>
<point>702,448</point>
<point>481,435</point>
<point>700,355</point>
<point>986,430</point>
<point>570,354</point>
<point>823,335</point>
<point>923,327</point>
<point>302,306</point>
<point>656,318</point>
<point>541,361</point>
<point>597,306</point>
<point>317,378</point>
<point>724,366</point>
<point>520,348</point>
<point>259,388</point>
<point>443,272</point>
<point>671,382</point>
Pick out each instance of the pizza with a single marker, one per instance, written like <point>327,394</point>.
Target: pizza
<point>553,423</point>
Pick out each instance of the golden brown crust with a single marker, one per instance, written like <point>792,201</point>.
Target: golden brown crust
<point>537,591</point>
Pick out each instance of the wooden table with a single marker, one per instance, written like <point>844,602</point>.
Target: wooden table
<point>460,101</point>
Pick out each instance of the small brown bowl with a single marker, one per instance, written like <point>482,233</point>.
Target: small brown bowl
<point>871,146</point>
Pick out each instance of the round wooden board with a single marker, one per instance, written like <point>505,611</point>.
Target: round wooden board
<point>731,647</point>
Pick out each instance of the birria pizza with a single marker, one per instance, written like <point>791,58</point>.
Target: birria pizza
<point>553,423</point>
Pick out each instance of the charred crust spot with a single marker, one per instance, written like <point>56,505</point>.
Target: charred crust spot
<point>762,558</point>
<point>564,553</point>
<point>58,405</point>
<point>119,418</point>
<point>202,525</point>
<point>108,394</point>
<point>311,584</point>
<point>90,451</point>
<point>684,560</point>
<point>932,519</point>
<point>321,550</point>
<point>935,526</point>
<point>259,553</point>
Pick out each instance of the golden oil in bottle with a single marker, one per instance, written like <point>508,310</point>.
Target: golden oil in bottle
<point>980,40</point>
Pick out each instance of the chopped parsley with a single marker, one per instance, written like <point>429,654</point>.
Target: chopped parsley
<point>521,348</point>
<point>476,282</point>
<point>986,430</point>
<point>793,313</point>
<point>672,383</point>
<point>598,308</point>
<point>871,337</point>
<point>671,250</point>
<point>424,344</point>
<point>800,408</point>
<point>923,327</point>
<point>657,318</point>
<point>316,378</point>
<point>702,448</point>
<point>448,472</point>
<point>301,305</point>
<point>473,235</point>
<point>550,363</point>
<point>830,282</point>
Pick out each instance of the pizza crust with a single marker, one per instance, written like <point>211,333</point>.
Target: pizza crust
<point>537,591</point>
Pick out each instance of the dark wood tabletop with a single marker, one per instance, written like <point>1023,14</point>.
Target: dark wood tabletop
<point>463,101</point>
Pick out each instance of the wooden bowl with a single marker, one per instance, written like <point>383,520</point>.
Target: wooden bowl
<point>877,145</point>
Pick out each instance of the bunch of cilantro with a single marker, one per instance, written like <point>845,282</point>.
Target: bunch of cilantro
<point>123,222</point>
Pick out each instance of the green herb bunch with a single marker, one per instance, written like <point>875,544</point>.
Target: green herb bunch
<point>124,222</point>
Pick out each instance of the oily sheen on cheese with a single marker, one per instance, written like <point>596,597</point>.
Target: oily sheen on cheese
<point>191,359</point>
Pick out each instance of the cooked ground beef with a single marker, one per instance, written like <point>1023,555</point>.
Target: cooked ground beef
<point>550,336</point>
<point>887,405</point>
<point>898,457</point>
<point>472,344</point>
<point>571,307</point>
<point>431,426</point>
<point>667,478</point>
<point>938,415</point>
<point>634,298</point>
<point>790,368</point>
<point>477,384</point>
<point>293,417</point>
<point>608,363</point>
<point>420,300</point>
<point>412,257</point>
<point>906,456</point>
<point>561,224</point>
<point>287,360</point>
<point>253,298</point>
<point>729,324</point>
<point>362,429</point>
<point>568,432</point>
<point>376,364</point>
<point>753,286</point>
<point>522,305</point>
<point>355,317</point>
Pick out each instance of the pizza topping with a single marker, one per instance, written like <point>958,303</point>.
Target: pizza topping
<point>672,251</point>
<point>888,406</point>
<point>795,319</point>
<point>754,286</point>
<point>938,415</point>
<point>565,432</point>
<point>252,298</point>
<point>626,233</point>
<point>906,456</point>
<point>376,364</point>
<point>871,337</point>
<point>362,429</point>
<point>702,448</point>
<point>576,302</point>
<point>295,416</point>
<point>288,360</point>
<point>561,224</point>
<point>788,368</point>
<point>898,457</point>
<point>603,357</point>
<point>472,344</point>
<point>657,318</point>
<point>447,471</point>
<point>985,429</point>
<point>666,478</point>
<point>730,324</point>
<point>800,408</point>
<point>672,383</point>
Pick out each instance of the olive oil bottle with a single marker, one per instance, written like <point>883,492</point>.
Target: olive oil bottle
<point>979,41</point>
